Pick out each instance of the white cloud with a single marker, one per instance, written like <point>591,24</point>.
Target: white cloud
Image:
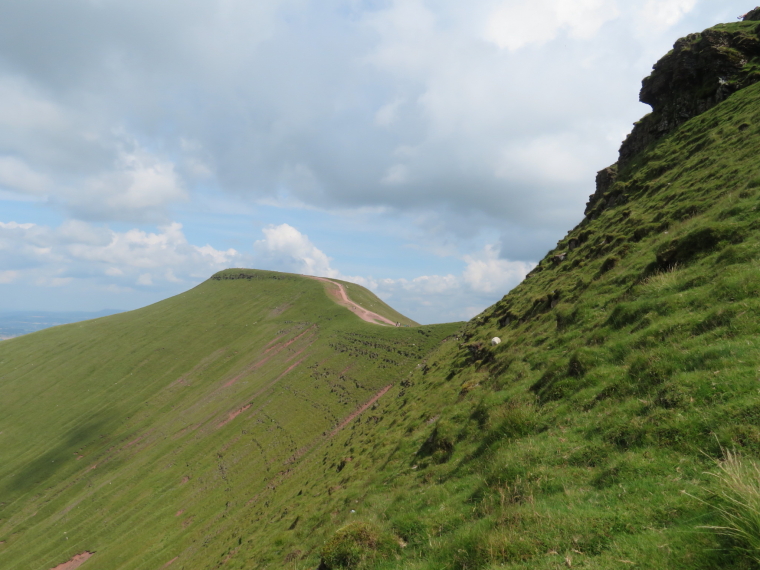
<point>26,111</point>
<point>145,279</point>
<point>169,276</point>
<point>8,276</point>
<point>388,113</point>
<point>440,298</point>
<point>431,284</point>
<point>287,249</point>
<point>76,232</point>
<point>215,256</point>
<point>553,159</point>
<point>487,273</point>
<point>658,15</point>
<point>516,24</point>
<point>396,174</point>
<point>16,175</point>
<point>139,187</point>
<point>166,248</point>
<point>16,226</point>
<point>76,250</point>
<point>56,281</point>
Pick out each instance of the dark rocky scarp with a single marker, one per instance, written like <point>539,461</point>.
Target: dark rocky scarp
<point>752,15</point>
<point>701,71</point>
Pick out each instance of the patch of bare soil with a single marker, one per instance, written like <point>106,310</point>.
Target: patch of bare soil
<point>134,441</point>
<point>279,310</point>
<point>75,562</point>
<point>233,415</point>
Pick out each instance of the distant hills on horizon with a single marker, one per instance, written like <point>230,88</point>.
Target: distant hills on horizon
<point>17,323</point>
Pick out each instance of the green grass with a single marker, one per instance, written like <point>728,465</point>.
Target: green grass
<point>113,431</point>
<point>737,503</point>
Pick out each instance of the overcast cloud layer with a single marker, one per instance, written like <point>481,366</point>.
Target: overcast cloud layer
<point>432,151</point>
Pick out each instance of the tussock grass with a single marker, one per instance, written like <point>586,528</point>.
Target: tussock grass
<point>736,502</point>
<point>664,280</point>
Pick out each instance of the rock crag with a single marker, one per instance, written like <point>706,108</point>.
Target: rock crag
<point>701,71</point>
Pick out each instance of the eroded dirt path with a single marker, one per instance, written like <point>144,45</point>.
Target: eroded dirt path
<point>338,292</point>
<point>353,415</point>
<point>314,444</point>
<point>75,562</point>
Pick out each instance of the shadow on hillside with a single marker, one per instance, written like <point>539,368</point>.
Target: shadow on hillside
<point>62,455</point>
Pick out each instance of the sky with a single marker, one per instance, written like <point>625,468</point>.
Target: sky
<point>432,151</point>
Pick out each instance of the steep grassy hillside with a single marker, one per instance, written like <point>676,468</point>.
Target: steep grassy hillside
<point>139,436</point>
<point>594,435</point>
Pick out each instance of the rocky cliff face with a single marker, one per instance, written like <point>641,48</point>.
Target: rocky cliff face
<point>701,71</point>
<point>752,15</point>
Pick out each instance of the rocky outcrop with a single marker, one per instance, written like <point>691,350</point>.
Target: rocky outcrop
<point>752,15</point>
<point>700,72</point>
<point>604,180</point>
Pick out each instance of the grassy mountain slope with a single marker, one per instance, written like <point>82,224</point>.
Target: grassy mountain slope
<point>137,436</point>
<point>628,366</point>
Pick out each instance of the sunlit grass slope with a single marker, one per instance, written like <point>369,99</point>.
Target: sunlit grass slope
<point>140,436</point>
<point>628,366</point>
